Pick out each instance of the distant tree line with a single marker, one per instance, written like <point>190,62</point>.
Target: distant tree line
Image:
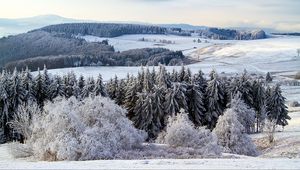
<point>104,29</point>
<point>135,57</point>
<point>150,97</point>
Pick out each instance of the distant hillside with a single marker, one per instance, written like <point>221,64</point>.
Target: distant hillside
<point>41,43</point>
<point>104,29</point>
<point>231,34</point>
<point>59,49</point>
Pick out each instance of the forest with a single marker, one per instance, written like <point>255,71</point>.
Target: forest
<point>135,57</point>
<point>150,97</point>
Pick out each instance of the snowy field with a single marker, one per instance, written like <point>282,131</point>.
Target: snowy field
<point>275,55</point>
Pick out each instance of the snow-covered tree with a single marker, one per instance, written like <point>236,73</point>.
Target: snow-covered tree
<point>4,103</point>
<point>245,114</point>
<point>147,81</point>
<point>276,108</point>
<point>149,112</point>
<point>175,99</point>
<point>180,132</point>
<point>39,89</point>
<point>99,87</point>
<point>162,78</point>
<point>120,92</point>
<point>231,135</point>
<point>242,84</point>
<point>200,81</point>
<point>94,128</point>
<point>57,88</point>
<point>215,100</point>
<point>27,85</point>
<point>88,87</point>
<point>196,108</point>
<point>131,97</point>
<point>112,87</point>
<point>259,103</point>
<point>269,77</point>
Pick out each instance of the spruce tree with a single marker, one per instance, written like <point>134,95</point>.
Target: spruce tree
<point>259,103</point>
<point>277,110</point>
<point>99,87</point>
<point>131,97</point>
<point>175,99</point>
<point>196,108</point>
<point>215,100</point>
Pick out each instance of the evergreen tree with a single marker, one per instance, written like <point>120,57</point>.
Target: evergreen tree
<point>269,77</point>
<point>277,110</point>
<point>99,87</point>
<point>242,85</point>
<point>215,99</point>
<point>175,99</point>
<point>259,103</point>
<point>57,88</point>
<point>162,78</point>
<point>27,85</point>
<point>81,82</point>
<point>88,87</point>
<point>39,90</point>
<point>120,92</point>
<point>45,82</point>
<point>147,83</point>
<point>131,97</point>
<point>200,81</point>
<point>196,108</point>
<point>4,103</point>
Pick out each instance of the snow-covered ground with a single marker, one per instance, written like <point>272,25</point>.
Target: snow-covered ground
<point>276,55</point>
<point>127,42</point>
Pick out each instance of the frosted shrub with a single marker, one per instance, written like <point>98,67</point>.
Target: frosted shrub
<point>231,135</point>
<point>83,130</point>
<point>180,132</point>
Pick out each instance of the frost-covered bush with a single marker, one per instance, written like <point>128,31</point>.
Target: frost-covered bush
<point>231,135</point>
<point>83,130</point>
<point>180,132</point>
<point>245,114</point>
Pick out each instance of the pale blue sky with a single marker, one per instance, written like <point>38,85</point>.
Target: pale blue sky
<point>278,14</point>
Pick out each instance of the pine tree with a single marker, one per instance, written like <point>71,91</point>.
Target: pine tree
<point>81,82</point>
<point>259,103</point>
<point>99,87</point>
<point>269,78</point>
<point>196,108</point>
<point>162,79</point>
<point>147,83</point>
<point>57,88</point>
<point>277,110</point>
<point>215,100</point>
<point>175,99</point>
<point>39,89</point>
<point>88,87</point>
<point>242,85</point>
<point>4,103</point>
<point>174,76</point>
<point>200,81</point>
<point>45,82</point>
<point>27,85</point>
<point>120,92</point>
<point>131,97</point>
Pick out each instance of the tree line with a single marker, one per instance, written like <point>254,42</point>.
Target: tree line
<point>150,97</point>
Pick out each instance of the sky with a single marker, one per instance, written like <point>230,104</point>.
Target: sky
<point>277,14</point>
